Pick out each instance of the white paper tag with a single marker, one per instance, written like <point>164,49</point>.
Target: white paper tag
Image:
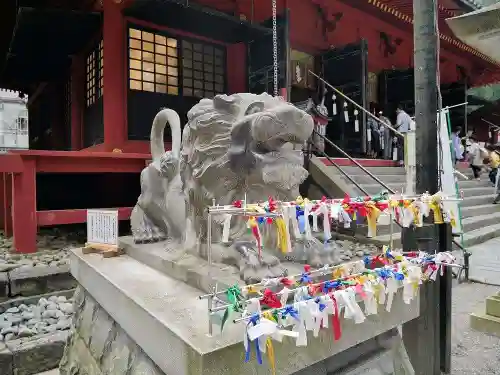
<point>346,116</point>
<point>226,228</point>
<point>263,327</point>
<point>395,154</point>
<point>391,289</point>
<point>368,135</point>
<point>284,293</point>
<point>356,125</point>
<point>327,232</point>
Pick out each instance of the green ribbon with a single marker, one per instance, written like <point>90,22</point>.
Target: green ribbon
<point>234,299</point>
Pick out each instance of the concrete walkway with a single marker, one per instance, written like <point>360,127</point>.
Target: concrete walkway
<point>485,262</point>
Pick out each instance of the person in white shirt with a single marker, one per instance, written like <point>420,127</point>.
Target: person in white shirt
<point>476,157</point>
<point>403,125</point>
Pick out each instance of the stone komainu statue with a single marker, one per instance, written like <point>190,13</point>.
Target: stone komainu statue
<point>231,145</point>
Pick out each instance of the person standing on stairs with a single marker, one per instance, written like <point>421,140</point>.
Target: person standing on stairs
<point>494,162</point>
<point>403,124</point>
<point>385,134</point>
<point>475,158</point>
<point>457,153</point>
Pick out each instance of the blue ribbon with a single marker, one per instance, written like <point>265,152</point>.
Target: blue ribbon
<point>388,254</point>
<point>305,278</point>
<point>322,306</point>
<point>253,320</point>
<point>383,274</point>
<point>260,220</point>
<point>329,285</point>
<point>290,310</point>
<point>398,276</point>
<point>367,261</point>
<point>299,211</point>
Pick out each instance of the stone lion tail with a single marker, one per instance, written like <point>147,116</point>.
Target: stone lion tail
<point>160,121</point>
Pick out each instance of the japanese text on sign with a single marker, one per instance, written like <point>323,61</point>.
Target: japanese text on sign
<point>102,227</point>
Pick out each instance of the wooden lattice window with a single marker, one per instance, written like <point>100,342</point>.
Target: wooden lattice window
<point>94,74</point>
<point>153,62</point>
<point>202,69</point>
<point>100,62</point>
<point>90,88</point>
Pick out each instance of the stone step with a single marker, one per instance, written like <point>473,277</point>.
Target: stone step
<point>485,323</point>
<point>377,171</point>
<point>480,221</point>
<point>469,223</point>
<point>493,306</point>
<point>482,209</point>
<point>473,190</point>
<point>481,235</point>
<point>478,200</point>
<point>471,238</point>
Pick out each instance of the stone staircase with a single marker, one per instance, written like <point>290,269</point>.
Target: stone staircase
<point>480,218</point>
<point>488,322</point>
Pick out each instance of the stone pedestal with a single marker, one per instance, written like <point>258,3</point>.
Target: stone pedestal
<point>488,322</point>
<point>134,319</point>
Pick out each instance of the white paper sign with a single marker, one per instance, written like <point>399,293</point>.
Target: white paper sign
<point>102,227</point>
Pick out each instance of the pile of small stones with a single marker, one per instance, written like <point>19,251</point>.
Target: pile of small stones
<point>53,250</point>
<point>351,250</point>
<point>48,315</point>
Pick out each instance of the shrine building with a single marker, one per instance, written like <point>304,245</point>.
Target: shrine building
<point>97,71</point>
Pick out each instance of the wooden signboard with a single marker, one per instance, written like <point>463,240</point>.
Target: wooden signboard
<point>102,233</point>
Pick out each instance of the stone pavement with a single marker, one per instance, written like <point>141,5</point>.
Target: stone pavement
<point>485,262</point>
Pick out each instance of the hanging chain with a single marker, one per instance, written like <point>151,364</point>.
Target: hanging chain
<point>275,50</point>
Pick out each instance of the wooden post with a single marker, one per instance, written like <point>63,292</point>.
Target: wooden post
<point>24,208</point>
<point>421,335</point>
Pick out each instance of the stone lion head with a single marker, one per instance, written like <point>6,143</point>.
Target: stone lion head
<point>244,143</point>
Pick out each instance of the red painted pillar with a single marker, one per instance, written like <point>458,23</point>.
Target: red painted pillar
<point>77,101</point>
<point>24,208</point>
<point>115,117</point>
<point>236,73</point>
<point>6,203</point>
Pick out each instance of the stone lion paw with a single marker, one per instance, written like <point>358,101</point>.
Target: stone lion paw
<point>254,266</point>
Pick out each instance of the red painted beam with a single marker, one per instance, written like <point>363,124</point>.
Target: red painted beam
<point>11,163</point>
<point>59,217</point>
<point>78,161</point>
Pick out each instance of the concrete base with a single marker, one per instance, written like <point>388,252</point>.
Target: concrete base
<point>188,268</point>
<point>132,319</point>
<point>489,322</point>
<point>485,323</point>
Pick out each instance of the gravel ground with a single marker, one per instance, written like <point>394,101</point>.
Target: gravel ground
<point>53,247</point>
<point>47,315</point>
<point>473,353</point>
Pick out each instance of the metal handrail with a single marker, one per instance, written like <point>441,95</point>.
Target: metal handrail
<point>391,191</point>
<point>344,173</point>
<point>355,162</point>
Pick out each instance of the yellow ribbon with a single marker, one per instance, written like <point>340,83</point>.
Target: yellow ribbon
<point>252,290</point>
<point>372,215</point>
<point>436,209</point>
<point>281,232</point>
<point>416,214</point>
<point>270,347</point>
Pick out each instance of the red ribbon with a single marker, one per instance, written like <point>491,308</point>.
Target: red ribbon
<point>237,204</point>
<point>270,299</point>
<point>286,281</point>
<point>337,330</point>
